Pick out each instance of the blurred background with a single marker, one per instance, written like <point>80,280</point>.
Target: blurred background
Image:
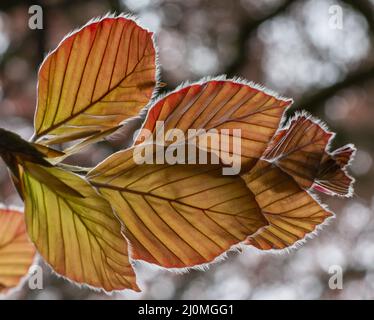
<point>300,49</point>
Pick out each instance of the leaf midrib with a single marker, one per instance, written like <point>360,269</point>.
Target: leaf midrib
<point>146,194</point>
<point>58,124</point>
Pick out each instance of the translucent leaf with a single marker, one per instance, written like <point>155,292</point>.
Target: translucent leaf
<point>177,215</point>
<point>75,230</point>
<point>221,104</point>
<point>16,251</point>
<point>97,77</point>
<point>291,211</point>
<point>295,156</point>
<point>301,149</point>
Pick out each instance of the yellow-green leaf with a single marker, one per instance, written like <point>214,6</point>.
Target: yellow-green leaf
<point>76,233</point>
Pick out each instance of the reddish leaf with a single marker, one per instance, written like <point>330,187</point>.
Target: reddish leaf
<point>291,211</point>
<point>221,104</point>
<point>301,149</point>
<point>177,216</point>
<point>16,251</point>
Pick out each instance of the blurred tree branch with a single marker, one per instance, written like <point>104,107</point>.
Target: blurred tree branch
<point>365,8</point>
<point>6,5</point>
<point>115,6</point>
<point>40,35</point>
<point>246,30</point>
<point>318,98</point>
<point>356,77</point>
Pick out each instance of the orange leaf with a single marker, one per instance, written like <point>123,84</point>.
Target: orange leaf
<point>177,215</point>
<point>298,150</point>
<point>221,104</point>
<point>292,212</point>
<point>301,149</point>
<point>332,177</point>
<point>97,77</point>
<point>16,251</point>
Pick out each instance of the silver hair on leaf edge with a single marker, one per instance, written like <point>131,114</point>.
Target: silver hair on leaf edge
<point>144,113</point>
<point>308,236</point>
<point>109,15</point>
<point>303,113</point>
<point>200,267</point>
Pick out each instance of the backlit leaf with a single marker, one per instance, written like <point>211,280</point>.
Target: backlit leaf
<point>221,104</point>
<point>301,149</point>
<point>16,251</point>
<point>292,212</point>
<point>298,214</point>
<point>332,177</point>
<point>177,215</point>
<point>97,77</point>
<point>75,230</point>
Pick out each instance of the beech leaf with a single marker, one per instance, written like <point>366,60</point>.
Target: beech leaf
<point>296,156</point>
<point>97,77</point>
<point>291,211</point>
<point>177,215</point>
<point>301,149</point>
<point>16,250</point>
<point>75,230</point>
<point>221,104</point>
